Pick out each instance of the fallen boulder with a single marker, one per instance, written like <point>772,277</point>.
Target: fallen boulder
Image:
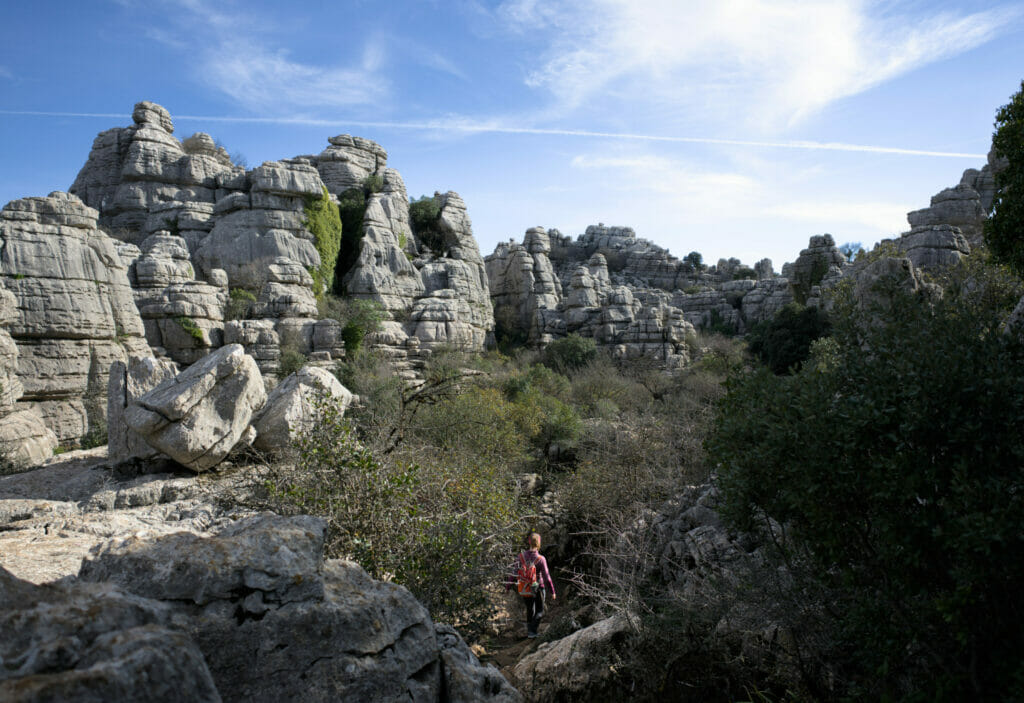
<point>291,406</point>
<point>198,417</point>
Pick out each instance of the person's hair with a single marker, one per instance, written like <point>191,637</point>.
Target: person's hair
<point>533,540</point>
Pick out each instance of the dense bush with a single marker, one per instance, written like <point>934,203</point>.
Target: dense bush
<point>358,317</point>
<point>290,361</point>
<point>1004,231</point>
<point>442,528</point>
<point>239,302</point>
<point>784,342</point>
<point>570,353</point>
<point>425,216</point>
<point>324,221</point>
<point>893,463</point>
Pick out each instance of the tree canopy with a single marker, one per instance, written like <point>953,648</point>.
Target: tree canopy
<point>1004,230</point>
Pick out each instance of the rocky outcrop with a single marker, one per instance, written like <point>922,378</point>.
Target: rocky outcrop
<point>291,406</point>
<point>24,439</point>
<point>94,642</point>
<point>75,312</point>
<point>198,417</point>
<point>821,262</point>
<point>632,297</point>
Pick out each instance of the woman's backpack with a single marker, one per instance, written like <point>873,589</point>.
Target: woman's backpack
<point>526,577</point>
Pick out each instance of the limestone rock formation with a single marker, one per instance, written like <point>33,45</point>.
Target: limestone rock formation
<point>574,666</point>
<point>631,296</point>
<point>198,417</point>
<point>128,382</point>
<point>821,260</point>
<point>94,642</point>
<point>75,312</point>
<point>291,406</point>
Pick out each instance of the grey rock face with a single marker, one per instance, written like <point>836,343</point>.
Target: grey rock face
<point>129,382</point>
<point>201,415</point>
<point>291,407</point>
<point>74,310</point>
<point>932,247</point>
<point>275,622</point>
<point>814,265</point>
<point>94,642</point>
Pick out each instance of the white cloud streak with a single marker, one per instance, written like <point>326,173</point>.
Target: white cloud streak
<point>769,64</point>
<point>471,127</point>
<point>239,55</point>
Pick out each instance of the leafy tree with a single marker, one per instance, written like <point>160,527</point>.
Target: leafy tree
<point>851,250</point>
<point>1004,230</point>
<point>784,342</point>
<point>894,467</point>
<point>695,260</point>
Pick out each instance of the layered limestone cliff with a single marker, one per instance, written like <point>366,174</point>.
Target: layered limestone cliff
<point>74,312</point>
<point>194,229</point>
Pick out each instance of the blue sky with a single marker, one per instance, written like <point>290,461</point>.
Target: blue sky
<point>677,118</point>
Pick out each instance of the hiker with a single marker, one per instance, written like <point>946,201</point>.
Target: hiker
<point>531,579</point>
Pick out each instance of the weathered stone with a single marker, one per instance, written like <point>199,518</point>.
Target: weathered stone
<point>93,642</point>
<point>128,382</point>
<point>74,310</point>
<point>199,417</point>
<point>291,406</point>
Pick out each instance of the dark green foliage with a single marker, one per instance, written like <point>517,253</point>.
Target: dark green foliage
<point>744,272</point>
<point>97,433</point>
<point>291,361</point>
<point>784,343</point>
<point>238,304</point>
<point>358,318</point>
<point>570,353</point>
<point>895,463</point>
<point>424,216</point>
<point>324,221</point>
<point>695,259</point>
<point>351,208</point>
<point>373,183</point>
<point>1004,231</point>
<point>718,325</point>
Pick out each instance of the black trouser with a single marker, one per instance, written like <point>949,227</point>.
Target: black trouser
<point>534,611</point>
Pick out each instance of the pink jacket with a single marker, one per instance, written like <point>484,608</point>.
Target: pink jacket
<point>542,570</point>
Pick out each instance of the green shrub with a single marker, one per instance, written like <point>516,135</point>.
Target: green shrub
<point>239,301</point>
<point>440,527</point>
<point>351,208</point>
<point>96,436</point>
<point>373,183</point>
<point>570,353</point>
<point>425,216</point>
<point>323,219</point>
<point>291,360</point>
<point>695,260</point>
<point>784,342</point>
<point>894,464</point>
<point>744,272</point>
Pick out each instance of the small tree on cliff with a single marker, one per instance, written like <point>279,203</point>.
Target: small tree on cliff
<point>1004,231</point>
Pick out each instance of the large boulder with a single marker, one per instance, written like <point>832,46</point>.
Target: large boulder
<point>129,382</point>
<point>291,406</point>
<point>94,643</point>
<point>276,622</point>
<point>201,415</point>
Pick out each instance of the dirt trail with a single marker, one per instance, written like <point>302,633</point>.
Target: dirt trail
<point>510,645</point>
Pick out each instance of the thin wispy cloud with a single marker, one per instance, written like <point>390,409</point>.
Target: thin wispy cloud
<point>466,126</point>
<point>772,64</point>
<point>239,54</point>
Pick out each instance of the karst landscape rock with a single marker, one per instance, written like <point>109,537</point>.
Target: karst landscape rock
<point>162,301</point>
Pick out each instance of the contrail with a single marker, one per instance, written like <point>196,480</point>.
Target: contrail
<point>478,128</point>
